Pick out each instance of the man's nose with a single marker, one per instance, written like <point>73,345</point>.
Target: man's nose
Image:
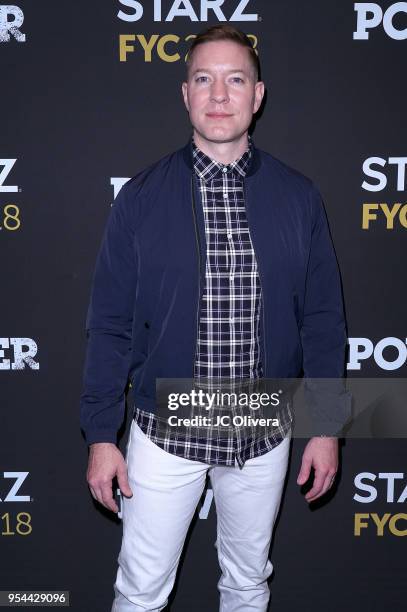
<point>219,92</point>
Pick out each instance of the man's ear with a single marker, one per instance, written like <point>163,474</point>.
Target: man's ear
<point>258,95</point>
<point>184,87</point>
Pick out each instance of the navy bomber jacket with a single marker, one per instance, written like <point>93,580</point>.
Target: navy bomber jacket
<point>143,312</point>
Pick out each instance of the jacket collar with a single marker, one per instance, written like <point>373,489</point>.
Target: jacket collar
<point>254,165</point>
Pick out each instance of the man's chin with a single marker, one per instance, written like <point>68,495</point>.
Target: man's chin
<point>219,136</point>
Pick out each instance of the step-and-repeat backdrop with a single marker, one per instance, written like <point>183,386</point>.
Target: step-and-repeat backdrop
<point>91,94</point>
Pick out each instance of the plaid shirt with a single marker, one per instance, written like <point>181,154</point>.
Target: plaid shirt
<point>228,331</point>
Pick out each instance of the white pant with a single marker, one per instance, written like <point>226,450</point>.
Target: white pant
<point>166,490</point>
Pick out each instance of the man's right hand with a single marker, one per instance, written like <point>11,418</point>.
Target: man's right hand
<point>105,462</point>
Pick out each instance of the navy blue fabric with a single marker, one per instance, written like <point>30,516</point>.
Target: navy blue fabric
<point>142,320</point>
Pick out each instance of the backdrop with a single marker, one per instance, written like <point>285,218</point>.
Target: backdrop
<point>91,94</point>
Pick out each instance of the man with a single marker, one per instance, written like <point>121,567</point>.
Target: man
<point>216,262</point>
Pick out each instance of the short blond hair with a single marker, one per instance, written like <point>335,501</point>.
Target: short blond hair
<point>224,32</point>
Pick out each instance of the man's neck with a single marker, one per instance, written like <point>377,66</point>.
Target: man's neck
<point>223,152</point>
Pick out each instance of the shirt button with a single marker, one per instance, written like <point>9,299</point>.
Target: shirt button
<point>232,277</point>
<point>224,169</point>
<point>231,319</point>
<point>232,363</point>
<point>225,195</point>
<point>229,235</point>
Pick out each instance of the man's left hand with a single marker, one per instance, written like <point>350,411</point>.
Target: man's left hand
<point>321,453</point>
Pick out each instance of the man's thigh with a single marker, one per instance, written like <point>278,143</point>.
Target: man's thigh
<point>166,490</point>
<point>247,502</point>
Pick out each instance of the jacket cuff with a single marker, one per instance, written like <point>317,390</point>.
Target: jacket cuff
<point>327,429</point>
<point>100,436</point>
<point>329,406</point>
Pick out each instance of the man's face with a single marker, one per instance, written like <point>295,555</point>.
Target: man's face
<point>221,93</point>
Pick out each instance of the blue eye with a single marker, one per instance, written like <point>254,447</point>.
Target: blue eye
<point>198,79</point>
<point>238,79</point>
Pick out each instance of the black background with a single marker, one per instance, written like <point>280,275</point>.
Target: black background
<point>74,116</point>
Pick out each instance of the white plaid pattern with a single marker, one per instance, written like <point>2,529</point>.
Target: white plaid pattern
<point>228,335</point>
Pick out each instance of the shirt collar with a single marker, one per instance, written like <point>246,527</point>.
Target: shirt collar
<point>207,168</point>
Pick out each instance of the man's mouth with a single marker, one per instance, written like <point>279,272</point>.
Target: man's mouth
<point>218,115</point>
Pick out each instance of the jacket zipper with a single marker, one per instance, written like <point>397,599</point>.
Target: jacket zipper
<point>262,304</point>
<point>199,270</point>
